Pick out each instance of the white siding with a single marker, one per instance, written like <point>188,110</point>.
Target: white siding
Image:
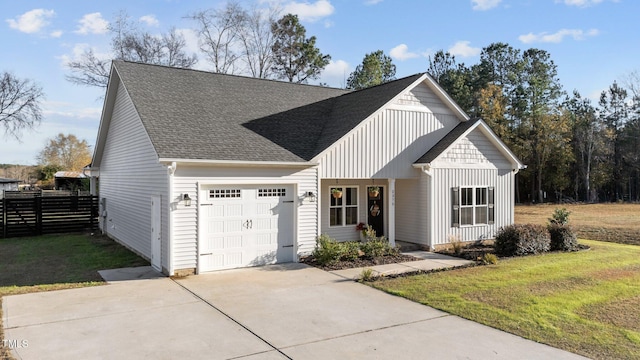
<point>129,174</point>
<point>423,96</point>
<point>187,178</point>
<point>386,146</point>
<point>445,179</point>
<point>410,212</point>
<point>475,148</point>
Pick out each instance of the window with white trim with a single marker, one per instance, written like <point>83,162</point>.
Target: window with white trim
<point>472,206</point>
<point>343,206</point>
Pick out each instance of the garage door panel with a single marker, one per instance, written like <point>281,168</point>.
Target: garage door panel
<point>234,242</point>
<point>234,210</point>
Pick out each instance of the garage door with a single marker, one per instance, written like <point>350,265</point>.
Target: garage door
<point>246,226</point>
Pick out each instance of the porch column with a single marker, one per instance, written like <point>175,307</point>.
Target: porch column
<point>392,212</point>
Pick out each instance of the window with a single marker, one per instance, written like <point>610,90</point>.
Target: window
<point>472,206</point>
<point>343,209</point>
<point>272,192</point>
<point>224,193</point>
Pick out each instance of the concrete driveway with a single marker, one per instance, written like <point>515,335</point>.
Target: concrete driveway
<point>273,312</point>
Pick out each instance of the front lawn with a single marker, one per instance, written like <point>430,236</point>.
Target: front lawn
<point>585,302</point>
<point>55,262</point>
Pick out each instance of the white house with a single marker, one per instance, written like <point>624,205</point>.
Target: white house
<point>201,171</point>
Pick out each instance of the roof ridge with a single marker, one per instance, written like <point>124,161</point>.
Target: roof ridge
<point>231,75</point>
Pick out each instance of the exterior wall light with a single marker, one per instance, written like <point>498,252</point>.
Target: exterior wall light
<point>310,195</point>
<point>186,199</point>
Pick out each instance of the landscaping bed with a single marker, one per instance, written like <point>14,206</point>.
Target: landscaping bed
<point>359,262</point>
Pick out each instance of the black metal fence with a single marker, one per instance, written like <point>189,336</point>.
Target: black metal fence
<point>39,215</point>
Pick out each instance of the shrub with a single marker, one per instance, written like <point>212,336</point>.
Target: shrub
<point>489,258</point>
<point>456,244</point>
<point>560,217</point>
<point>366,274</point>
<point>377,247</point>
<point>519,240</point>
<point>562,237</point>
<point>327,250</point>
<point>349,250</point>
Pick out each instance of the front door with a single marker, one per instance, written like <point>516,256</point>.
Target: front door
<point>375,211</point>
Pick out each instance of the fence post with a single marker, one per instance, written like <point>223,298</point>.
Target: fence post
<point>38,210</point>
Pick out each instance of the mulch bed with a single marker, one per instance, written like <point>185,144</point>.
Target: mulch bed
<point>360,262</point>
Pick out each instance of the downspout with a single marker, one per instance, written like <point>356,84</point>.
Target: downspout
<point>171,171</point>
<point>431,205</point>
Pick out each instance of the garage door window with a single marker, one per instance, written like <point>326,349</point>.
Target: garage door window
<point>343,210</point>
<point>272,192</point>
<point>224,193</point>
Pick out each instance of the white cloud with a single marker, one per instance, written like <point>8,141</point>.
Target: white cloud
<point>482,5</point>
<point>580,3</point>
<point>336,73</point>
<point>372,2</point>
<point>401,52</point>
<point>93,23</point>
<point>56,34</point>
<point>558,36</point>
<point>31,21</point>
<point>310,11</point>
<point>78,50</point>
<point>150,20</point>
<point>462,49</point>
<point>66,109</point>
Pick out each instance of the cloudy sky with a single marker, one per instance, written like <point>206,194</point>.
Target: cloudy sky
<point>593,42</point>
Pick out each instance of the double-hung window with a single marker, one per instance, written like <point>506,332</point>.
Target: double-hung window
<point>343,206</point>
<point>472,206</point>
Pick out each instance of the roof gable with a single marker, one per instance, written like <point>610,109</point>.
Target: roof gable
<point>460,132</point>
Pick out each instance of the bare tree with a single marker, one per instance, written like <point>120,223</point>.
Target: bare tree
<point>19,104</point>
<point>257,40</point>
<point>131,44</point>
<point>218,31</point>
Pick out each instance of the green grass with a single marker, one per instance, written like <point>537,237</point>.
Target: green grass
<point>585,302</point>
<point>55,262</point>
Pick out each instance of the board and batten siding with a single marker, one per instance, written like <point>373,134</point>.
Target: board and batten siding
<point>129,175</point>
<point>446,179</point>
<point>185,219</point>
<point>411,195</point>
<point>385,146</point>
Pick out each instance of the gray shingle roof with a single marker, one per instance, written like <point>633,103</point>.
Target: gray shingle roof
<point>191,114</point>
<point>446,141</point>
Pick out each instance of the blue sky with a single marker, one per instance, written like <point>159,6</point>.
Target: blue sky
<point>593,43</point>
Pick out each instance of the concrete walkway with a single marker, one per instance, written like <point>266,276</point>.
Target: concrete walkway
<point>430,261</point>
<point>289,311</point>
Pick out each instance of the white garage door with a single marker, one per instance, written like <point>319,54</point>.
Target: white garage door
<point>246,226</point>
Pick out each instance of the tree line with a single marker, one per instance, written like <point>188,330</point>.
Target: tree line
<point>575,150</point>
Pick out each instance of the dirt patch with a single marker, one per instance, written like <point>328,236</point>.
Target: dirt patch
<point>550,287</point>
<point>616,274</point>
<point>610,234</point>
<point>621,313</point>
<point>360,262</point>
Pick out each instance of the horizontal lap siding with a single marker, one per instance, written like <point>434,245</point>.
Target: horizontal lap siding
<point>387,145</point>
<point>129,175</point>
<point>185,228</point>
